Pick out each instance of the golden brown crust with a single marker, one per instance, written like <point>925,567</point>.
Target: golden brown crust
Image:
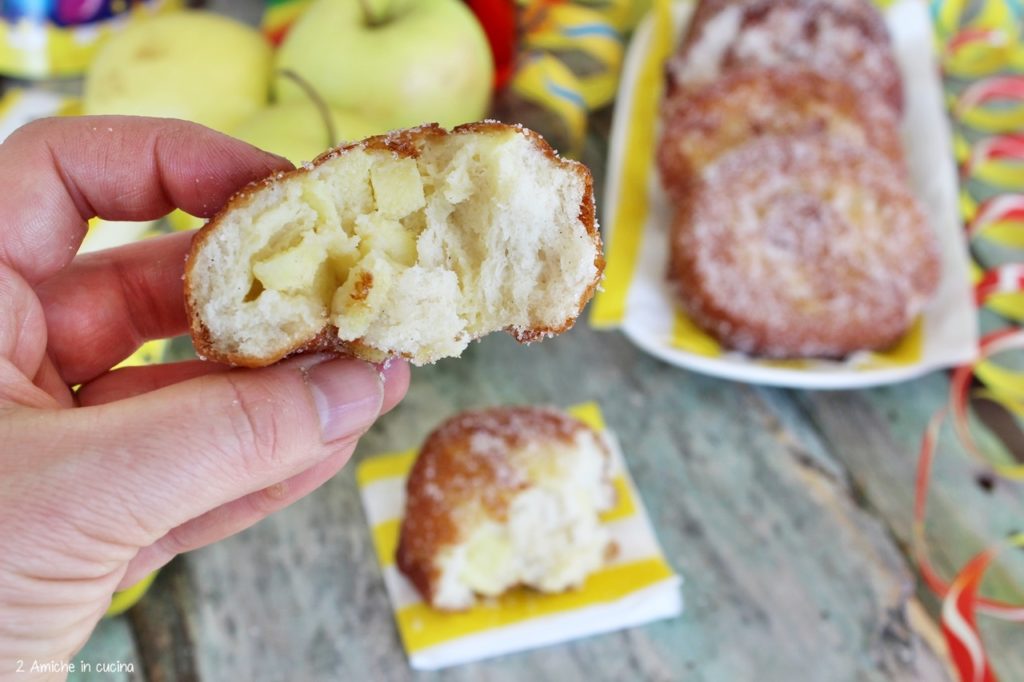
<point>701,125</point>
<point>466,459</point>
<point>403,143</point>
<point>587,216</point>
<point>802,247</point>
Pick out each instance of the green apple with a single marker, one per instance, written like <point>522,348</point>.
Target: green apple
<point>398,64</point>
<point>194,65</point>
<point>297,131</point>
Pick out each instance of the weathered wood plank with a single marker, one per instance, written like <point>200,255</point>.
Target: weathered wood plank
<point>111,645</point>
<point>787,576</point>
<point>876,435</point>
<point>162,627</point>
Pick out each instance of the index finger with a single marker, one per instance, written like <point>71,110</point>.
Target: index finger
<point>58,173</point>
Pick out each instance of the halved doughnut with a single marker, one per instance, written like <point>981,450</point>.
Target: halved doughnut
<point>409,244</point>
<point>503,497</point>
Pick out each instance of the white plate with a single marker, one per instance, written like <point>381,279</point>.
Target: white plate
<point>950,322</point>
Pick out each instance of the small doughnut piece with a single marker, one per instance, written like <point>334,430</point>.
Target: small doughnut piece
<point>409,244</point>
<point>844,40</point>
<point>803,247</point>
<point>503,497</point>
<point>702,124</point>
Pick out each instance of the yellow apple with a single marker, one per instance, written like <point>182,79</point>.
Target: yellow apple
<point>194,65</point>
<point>397,64</point>
<point>297,131</point>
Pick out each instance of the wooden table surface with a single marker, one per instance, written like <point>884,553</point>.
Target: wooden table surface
<point>787,513</point>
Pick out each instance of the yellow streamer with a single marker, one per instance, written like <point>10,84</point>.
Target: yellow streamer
<point>547,82</point>
<point>1006,382</point>
<point>125,599</point>
<point>968,205</point>
<point>993,120</point>
<point>621,14</point>
<point>946,17</point>
<point>148,353</point>
<point>573,29</point>
<point>1002,174</point>
<point>1008,304</point>
<point>961,147</point>
<point>1008,233</point>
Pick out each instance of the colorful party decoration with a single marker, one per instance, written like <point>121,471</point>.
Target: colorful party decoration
<point>983,59</point>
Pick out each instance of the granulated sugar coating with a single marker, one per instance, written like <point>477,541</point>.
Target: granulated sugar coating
<point>503,497</point>
<point>803,246</point>
<point>841,40</point>
<point>702,124</point>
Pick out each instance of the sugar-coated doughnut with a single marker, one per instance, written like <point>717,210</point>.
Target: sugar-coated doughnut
<point>701,124</point>
<point>504,497</point>
<point>840,39</point>
<point>409,244</point>
<point>802,246</point>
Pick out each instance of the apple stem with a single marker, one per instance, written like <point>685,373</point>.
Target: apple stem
<point>318,102</point>
<point>368,17</point>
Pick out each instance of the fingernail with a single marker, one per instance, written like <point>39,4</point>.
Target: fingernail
<point>348,395</point>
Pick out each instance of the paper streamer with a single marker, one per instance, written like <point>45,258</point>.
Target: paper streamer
<point>621,14</point>
<point>994,104</point>
<point>566,30</point>
<point>960,595</point>
<point>1000,218</point>
<point>981,42</point>
<point>549,83</point>
<point>571,59</point>
<point>279,15</point>
<point>977,39</point>
<point>958,624</point>
<point>42,40</point>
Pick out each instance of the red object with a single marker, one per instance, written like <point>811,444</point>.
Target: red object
<point>499,21</point>
<point>958,624</point>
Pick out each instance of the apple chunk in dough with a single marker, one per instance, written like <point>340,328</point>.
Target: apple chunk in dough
<point>410,245</point>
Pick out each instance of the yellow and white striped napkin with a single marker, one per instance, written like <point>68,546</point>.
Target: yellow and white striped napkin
<point>637,587</point>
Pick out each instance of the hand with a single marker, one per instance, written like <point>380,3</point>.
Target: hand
<point>102,485</point>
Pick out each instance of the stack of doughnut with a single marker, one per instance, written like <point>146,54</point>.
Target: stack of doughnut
<point>795,233</point>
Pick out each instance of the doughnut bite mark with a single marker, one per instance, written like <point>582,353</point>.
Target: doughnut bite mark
<point>504,497</point>
<point>409,244</point>
<point>803,247</point>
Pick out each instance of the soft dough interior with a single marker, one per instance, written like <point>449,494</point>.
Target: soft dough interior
<point>414,256</point>
<point>551,537</point>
